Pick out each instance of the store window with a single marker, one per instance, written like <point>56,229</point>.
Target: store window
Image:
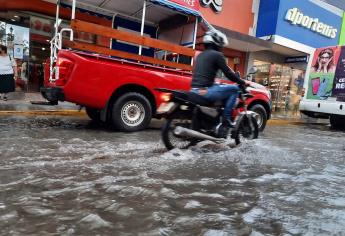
<point>285,84</point>
<point>16,38</point>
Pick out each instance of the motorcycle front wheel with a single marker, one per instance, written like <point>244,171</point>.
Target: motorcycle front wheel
<point>172,140</point>
<point>245,129</point>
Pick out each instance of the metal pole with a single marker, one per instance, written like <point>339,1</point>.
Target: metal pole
<point>53,42</point>
<point>194,36</point>
<point>142,25</point>
<point>57,17</point>
<point>73,9</point>
<point>195,32</point>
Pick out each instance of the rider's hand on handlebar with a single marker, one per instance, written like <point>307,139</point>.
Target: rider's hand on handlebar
<point>244,86</point>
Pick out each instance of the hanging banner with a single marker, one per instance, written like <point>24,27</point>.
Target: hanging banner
<point>322,73</point>
<point>192,4</point>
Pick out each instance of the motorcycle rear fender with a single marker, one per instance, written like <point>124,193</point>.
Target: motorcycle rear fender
<point>243,113</point>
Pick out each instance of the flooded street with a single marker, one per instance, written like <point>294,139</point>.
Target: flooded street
<point>65,176</point>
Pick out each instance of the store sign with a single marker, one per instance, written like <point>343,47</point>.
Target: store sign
<point>296,17</point>
<point>192,4</point>
<point>216,5</point>
<point>41,26</point>
<point>296,59</point>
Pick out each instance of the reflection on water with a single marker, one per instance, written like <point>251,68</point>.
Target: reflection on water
<point>63,176</point>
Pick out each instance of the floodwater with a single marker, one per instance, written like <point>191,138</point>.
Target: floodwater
<point>65,176</point>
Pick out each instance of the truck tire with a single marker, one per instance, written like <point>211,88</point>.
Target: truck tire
<point>93,114</point>
<point>337,121</point>
<point>261,118</point>
<point>131,112</point>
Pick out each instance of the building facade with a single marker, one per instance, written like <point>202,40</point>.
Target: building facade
<point>295,28</point>
<point>27,27</point>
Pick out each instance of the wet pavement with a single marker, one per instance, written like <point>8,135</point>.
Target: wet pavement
<point>67,176</point>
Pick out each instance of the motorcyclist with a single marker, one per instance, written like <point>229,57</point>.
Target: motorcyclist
<point>207,65</point>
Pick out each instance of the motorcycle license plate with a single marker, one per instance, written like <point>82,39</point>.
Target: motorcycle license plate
<point>165,107</point>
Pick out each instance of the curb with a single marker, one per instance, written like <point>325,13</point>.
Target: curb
<point>285,122</point>
<point>45,113</point>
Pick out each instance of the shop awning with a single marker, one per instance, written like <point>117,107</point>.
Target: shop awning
<point>244,42</point>
<point>156,11</point>
<point>174,5</point>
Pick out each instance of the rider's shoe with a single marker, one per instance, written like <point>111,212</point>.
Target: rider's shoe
<point>222,130</point>
<point>228,123</point>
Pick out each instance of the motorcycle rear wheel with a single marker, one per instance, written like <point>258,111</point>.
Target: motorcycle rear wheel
<point>245,129</point>
<point>170,139</point>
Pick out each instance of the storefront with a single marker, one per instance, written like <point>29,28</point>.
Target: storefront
<point>27,31</point>
<point>295,28</point>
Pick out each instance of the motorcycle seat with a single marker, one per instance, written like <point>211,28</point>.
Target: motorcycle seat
<point>202,101</point>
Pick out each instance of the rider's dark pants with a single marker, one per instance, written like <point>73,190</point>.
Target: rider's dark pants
<point>218,92</point>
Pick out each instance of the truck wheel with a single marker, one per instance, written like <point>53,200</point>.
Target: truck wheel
<point>93,114</point>
<point>337,121</point>
<point>131,112</point>
<point>261,118</point>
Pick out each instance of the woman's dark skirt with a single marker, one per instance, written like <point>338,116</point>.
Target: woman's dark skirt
<point>7,83</point>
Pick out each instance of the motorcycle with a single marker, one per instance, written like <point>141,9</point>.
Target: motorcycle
<point>190,118</point>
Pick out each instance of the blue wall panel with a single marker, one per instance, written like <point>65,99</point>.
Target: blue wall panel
<point>268,16</point>
<point>271,21</point>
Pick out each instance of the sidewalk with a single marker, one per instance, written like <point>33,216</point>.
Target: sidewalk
<point>20,102</point>
<point>296,119</point>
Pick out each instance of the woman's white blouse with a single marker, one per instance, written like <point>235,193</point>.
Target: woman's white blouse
<point>6,65</point>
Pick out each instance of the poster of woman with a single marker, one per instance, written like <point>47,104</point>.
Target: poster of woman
<point>322,73</point>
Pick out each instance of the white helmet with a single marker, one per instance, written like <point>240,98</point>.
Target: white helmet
<point>216,37</point>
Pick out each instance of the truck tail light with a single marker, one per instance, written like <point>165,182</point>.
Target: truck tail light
<point>63,69</point>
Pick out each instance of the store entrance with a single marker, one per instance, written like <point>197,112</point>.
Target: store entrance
<point>39,53</point>
<point>27,38</point>
<point>285,84</point>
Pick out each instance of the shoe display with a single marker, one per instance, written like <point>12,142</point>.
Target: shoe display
<point>5,98</point>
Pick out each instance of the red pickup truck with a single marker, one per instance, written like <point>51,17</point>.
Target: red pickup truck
<point>122,93</point>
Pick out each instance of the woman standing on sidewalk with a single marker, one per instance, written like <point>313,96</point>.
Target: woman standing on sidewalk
<point>8,73</point>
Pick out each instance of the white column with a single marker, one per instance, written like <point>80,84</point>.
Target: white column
<point>73,9</point>
<point>142,25</point>
<point>194,36</point>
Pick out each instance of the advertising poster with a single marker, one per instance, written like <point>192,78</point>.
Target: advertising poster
<point>339,79</point>
<point>322,73</point>
<point>18,51</point>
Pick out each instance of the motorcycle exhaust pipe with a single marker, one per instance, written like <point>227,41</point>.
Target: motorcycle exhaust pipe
<point>181,131</point>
